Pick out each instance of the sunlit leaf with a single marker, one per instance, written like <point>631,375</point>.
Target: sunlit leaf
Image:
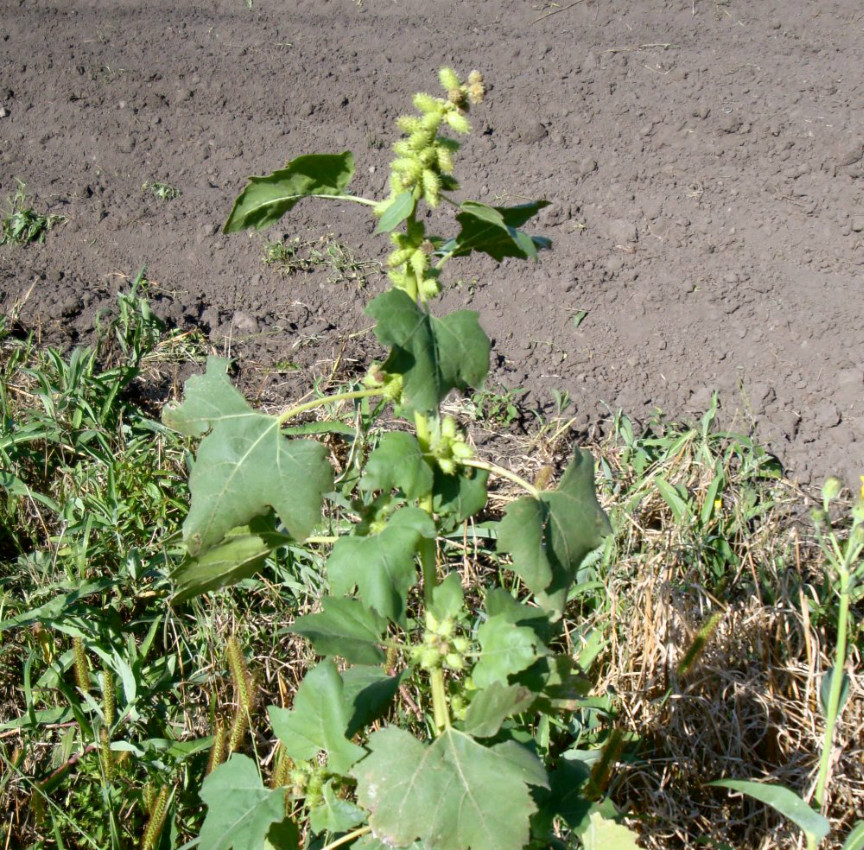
<point>244,465</point>
<point>333,814</point>
<point>496,231</point>
<point>549,536</point>
<point>344,627</point>
<point>506,649</point>
<point>605,834</point>
<point>493,705</point>
<point>787,802</point>
<point>240,810</point>
<point>266,199</point>
<point>433,355</point>
<point>398,462</point>
<point>454,794</point>
<point>397,211</point>
<point>317,720</point>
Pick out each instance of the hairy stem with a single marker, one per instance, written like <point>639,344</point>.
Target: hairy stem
<point>317,402</point>
<point>347,838</point>
<point>501,472</point>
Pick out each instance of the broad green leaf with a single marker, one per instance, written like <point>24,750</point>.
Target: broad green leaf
<point>381,565</point>
<point>370,842</point>
<point>567,799</point>
<point>266,199</point>
<point>333,814</point>
<point>605,834</point>
<point>398,462</point>
<point>493,705</point>
<point>549,536</point>
<point>367,692</point>
<point>499,602</point>
<point>397,211</point>
<point>787,802</point>
<point>244,464</point>
<point>240,555</point>
<point>240,809</point>
<point>460,496</point>
<point>855,839</point>
<point>317,721</point>
<point>506,649</point>
<point>448,600</point>
<point>344,627</point>
<point>433,355</point>
<point>454,794</point>
<point>495,231</point>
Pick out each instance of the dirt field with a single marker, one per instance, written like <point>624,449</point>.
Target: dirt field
<point>704,160</point>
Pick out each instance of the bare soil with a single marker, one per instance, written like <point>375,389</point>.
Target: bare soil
<point>704,160</point>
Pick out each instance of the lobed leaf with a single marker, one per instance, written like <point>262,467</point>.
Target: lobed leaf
<point>454,794</point>
<point>549,536</point>
<point>381,565</point>
<point>317,721</point>
<point>493,705</point>
<point>333,814</point>
<point>344,627</point>
<point>398,463</point>
<point>266,199</point>
<point>506,649</point>
<point>496,231</point>
<point>244,464</point>
<point>605,834</point>
<point>433,355</point>
<point>241,811</point>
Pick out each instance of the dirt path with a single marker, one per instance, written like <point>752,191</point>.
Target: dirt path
<point>704,160</point>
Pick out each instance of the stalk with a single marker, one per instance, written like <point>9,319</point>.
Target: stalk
<point>317,402</point>
<point>832,710</point>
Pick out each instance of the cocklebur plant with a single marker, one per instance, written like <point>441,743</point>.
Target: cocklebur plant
<point>466,767</point>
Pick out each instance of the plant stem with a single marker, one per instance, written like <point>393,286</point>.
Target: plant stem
<point>317,402</point>
<point>501,472</point>
<point>349,836</point>
<point>833,707</point>
<point>355,198</point>
<point>440,711</point>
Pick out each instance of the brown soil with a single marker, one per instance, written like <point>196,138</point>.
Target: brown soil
<point>703,159</point>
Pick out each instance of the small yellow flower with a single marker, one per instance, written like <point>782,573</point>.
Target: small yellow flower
<point>862,486</point>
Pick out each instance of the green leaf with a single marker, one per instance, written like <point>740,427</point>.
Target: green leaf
<point>397,211</point>
<point>855,839</point>
<point>787,802</point>
<point>381,566</point>
<point>459,496</point>
<point>495,231</point>
<point>605,834</point>
<point>244,465</point>
<point>493,705</point>
<point>367,691</point>
<point>317,721</point>
<point>240,809</point>
<point>453,795</point>
<point>344,627</point>
<point>506,649</point>
<point>549,536</point>
<point>241,554</point>
<point>448,600</point>
<point>266,199</point>
<point>334,814</point>
<point>398,462</point>
<point>433,355</point>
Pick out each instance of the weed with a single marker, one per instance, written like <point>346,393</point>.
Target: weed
<point>21,224</point>
<point>296,255</point>
<point>163,191</point>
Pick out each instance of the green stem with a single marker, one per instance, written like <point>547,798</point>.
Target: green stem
<point>355,198</point>
<point>501,472</point>
<point>348,837</point>
<point>327,399</point>
<point>440,711</point>
<point>832,709</point>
